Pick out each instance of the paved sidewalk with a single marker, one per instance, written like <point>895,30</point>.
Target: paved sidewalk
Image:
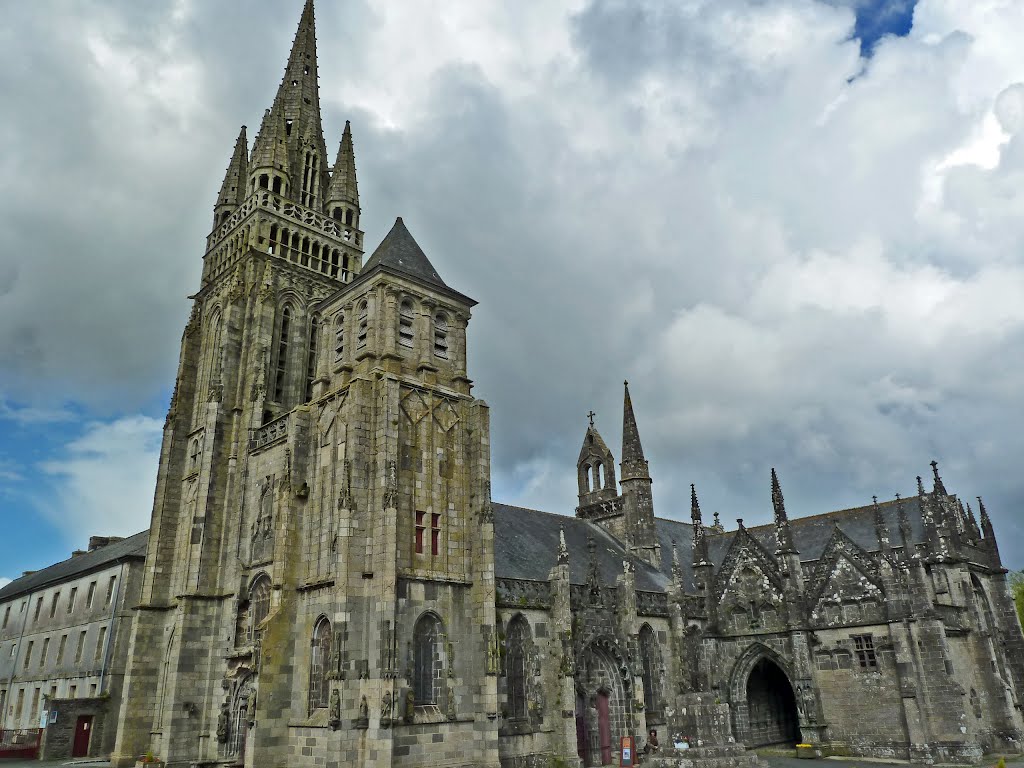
<point>779,761</point>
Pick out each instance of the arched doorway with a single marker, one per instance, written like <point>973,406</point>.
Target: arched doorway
<point>771,706</point>
<point>601,702</point>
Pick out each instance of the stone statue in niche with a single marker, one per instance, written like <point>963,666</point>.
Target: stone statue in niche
<point>334,717</point>
<point>492,651</point>
<point>363,720</point>
<point>222,723</point>
<point>250,707</point>
<point>410,706</point>
<point>390,498</point>
<point>385,709</point>
<point>450,696</point>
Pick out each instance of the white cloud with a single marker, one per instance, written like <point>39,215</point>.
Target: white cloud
<point>103,483</point>
<point>796,256</point>
<point>4,582</point>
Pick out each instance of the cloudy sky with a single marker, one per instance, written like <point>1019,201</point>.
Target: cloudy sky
<point>796,227</point>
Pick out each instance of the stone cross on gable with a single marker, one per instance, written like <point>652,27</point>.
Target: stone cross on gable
<point>591,416</point>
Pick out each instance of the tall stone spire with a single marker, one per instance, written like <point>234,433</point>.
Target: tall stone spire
<point>293,124</point>
<point>633,462</point>
<point>972,522</point>
<point>783,535</point>
<point>343,188</point>
<point>232,189</point>
<point>637,501</point>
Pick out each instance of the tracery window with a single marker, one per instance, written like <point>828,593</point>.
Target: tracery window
<point>427,667</point>
<point>259,603</point>
<point>517,640</point>
<point>405,324</point>
<point>319,665</point>
<point>441,335</point>
<point>650,660</point>
<point>240,717</point>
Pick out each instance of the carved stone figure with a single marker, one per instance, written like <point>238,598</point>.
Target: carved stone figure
<point>222,723</point>
<point>250,707</point>
<point>385,707</point>
<point>410,706</point>
<point>450,700</point>
<point>334,711</point>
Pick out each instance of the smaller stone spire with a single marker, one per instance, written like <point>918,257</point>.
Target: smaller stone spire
<point>881,528</point>
<point>633,462</point>
<point>700,541</point>
<point>986,522</point>
<point>344,190</point>
<point>268,165</point>
<point>783,534</point>
<point>988,531</point>
<point>972,522</point>
<point>938,486</point>
<point>677,568</point>
<point>233,188</point>
<point>906,534</point>
<point>563,550</point>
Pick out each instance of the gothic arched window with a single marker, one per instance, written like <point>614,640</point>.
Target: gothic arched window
<point>284,331</point>
<point>427,667</point>
<point>441,335</point>
<point>650,659</point>
<point>319,664</point>
<point>240,717</point>
<point>259,603</point>
<point>405,324</point>
<point>517,640</point>
<point>314,331</point>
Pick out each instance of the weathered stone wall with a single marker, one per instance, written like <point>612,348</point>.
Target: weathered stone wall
<point>58,738</point>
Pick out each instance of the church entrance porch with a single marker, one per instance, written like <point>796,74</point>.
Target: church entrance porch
<point>601,717</point>
<point>771,707</point>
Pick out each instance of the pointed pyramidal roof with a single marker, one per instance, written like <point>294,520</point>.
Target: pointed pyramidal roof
<point>232,189</point>
<point>343,187</point>
<point>402,254</point>
<point>633,462</point>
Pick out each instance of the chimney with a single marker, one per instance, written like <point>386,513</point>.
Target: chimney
<point>95,542</point>
<point>27,573</point>
<point>78,552</point>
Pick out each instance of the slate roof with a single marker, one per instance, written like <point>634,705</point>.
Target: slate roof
<point>526,542</point>
<point>526,547</point>
<point>131,548</point>
<point>399,251</point>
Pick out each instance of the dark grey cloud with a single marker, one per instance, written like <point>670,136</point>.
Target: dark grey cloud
<point>778,259</point>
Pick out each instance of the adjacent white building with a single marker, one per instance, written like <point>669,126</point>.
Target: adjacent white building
<point>64,631</point>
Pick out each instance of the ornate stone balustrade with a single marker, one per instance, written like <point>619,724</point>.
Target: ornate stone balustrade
<point>523,593</point>
<point>651,603</point>
<point>269,433</point>
<point>307,217</point>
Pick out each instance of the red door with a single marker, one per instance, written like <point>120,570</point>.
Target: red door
<point>83,730</point>
<point>604,728</point>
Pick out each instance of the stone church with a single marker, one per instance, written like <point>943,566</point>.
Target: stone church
<point>328,582</point>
